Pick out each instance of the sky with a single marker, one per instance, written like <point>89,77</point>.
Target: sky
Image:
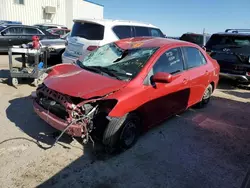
<point>176,17</point>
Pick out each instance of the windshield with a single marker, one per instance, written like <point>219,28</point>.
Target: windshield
<point>221,41</point>
<point>117,62</point>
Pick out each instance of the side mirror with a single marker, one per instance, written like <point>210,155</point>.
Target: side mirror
<point>3,33</point>
<point>162,77</point>
<point>204,48</point>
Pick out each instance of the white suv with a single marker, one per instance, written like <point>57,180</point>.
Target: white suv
<point>88,34</point>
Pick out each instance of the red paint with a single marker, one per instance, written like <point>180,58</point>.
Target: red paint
<point>154,104</point>
<point>77,82</point>
<point>57,123</point>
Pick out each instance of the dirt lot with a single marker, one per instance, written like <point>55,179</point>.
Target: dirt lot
<point>199,148</point>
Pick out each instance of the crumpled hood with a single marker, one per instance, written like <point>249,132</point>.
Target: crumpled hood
<point>74,81</point>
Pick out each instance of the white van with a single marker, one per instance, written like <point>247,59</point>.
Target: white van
<point>88,34</point>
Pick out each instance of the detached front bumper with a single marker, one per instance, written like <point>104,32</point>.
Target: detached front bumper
<point>59,124</point>
<point>239,77</point>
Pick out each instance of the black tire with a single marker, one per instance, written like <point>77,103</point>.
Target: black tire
<point>206,97</point>
<point>116,135</point>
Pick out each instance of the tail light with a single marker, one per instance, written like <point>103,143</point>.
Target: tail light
<point>248,74</point>
<point>91,48</point>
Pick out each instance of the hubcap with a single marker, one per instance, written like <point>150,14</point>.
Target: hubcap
<point>207,94</point>
<point>129,133</point>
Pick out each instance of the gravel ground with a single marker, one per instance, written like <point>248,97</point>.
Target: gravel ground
<point>198,148</point>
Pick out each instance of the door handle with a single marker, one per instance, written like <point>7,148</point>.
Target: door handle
<point>184,81</point>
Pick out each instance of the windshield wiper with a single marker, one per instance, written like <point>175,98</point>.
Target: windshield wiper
<point>110,72</point>
<point>89,68</point>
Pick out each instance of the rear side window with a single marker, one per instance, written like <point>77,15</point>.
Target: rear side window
<point>194,57</point>
<point>88,31</point>
<point>123,31</point>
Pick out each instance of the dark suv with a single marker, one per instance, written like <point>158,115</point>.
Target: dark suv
<point>231,49</point>
<point>16,34</point>
<point>195,38</point>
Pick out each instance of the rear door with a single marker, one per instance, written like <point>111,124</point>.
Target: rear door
<point>85,37</point>
<point>198,70</point>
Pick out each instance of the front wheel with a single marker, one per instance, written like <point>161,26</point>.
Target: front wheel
<point>122,133</point>
<point>206,96</point>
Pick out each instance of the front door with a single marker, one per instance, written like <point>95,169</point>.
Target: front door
<point>13,36</point>
<point>167,99</point>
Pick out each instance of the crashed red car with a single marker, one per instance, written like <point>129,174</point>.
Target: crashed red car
<point>125,87</point>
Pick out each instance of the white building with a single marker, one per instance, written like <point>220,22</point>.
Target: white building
<point>61,12</point>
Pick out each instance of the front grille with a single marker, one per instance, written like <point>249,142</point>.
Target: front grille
<point>53,107</point>
<point>52,101</point>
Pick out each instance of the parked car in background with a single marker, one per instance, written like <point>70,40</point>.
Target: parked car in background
<point>169,37</point>
<point>46,26</point>
<point>12,34</point>
<point>232,51</point>
<point>56,46</point>
<point>125,87</point>
<point>4,22</point>
<point>195,38</point>
<point>88,34</point>
<point>60,32</point>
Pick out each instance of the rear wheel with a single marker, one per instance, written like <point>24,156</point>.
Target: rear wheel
<point>122,133</point>
<point>206,96</point>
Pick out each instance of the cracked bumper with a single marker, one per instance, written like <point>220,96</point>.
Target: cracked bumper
<point>57,123</point>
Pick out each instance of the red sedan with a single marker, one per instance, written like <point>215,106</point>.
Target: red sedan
<point>126,87</point>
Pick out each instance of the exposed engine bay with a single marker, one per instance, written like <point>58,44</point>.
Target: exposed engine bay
<point>88,114</point>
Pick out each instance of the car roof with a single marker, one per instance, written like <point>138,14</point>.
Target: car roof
<point>232,34</point>
<point>150,42</point>
<point>114,22</point>
<point>19,25</point>
<point>49,24</point>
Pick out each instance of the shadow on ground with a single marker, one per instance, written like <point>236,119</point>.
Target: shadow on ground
<point>199,148</point>
<point>21,113</point>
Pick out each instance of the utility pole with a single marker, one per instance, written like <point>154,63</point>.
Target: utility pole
<point>204,37</point>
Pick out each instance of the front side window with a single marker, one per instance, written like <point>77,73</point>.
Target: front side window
<point>156,32</point>
<point>194,57</point>
<point>32,31</point>
<point>14,31</point>
<point>124,64</point>
<point>123,32</point>
<point>89,31</point>
<point>170,62</point>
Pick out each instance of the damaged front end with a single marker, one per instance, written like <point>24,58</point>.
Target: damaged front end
<point>73,115</point>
